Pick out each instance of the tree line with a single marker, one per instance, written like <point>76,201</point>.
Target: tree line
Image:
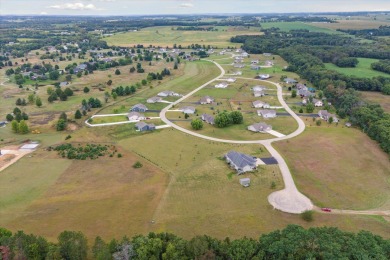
<point>293,242</point>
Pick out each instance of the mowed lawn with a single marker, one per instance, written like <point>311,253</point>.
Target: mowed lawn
<point>362,70</point>
<point>164,36</point>
<point>377,97</point>
<point>105,197</point>
<point>204,196</point>
<point>339,167</point>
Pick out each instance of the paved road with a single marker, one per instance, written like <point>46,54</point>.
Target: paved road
<point>289,199</point>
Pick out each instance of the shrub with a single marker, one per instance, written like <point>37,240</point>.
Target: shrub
<point>307,215</point>
<point>119,155</point>
<point>137,165</point>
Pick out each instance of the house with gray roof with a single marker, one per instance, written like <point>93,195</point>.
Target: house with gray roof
<point>139,108</point>
<point>221,85</point>
<point>208,119</point>
<point>290,81</point>
<point>260,128</point>
<point>255,67</point>
<point>240,162</point>
<point>259,88</point>
<point>168,93</point>
<point>142,126</point>
<point>325,115</point>
<point>188,110</point>
<point>260,104</point>
<point>258,93</point>
<point>267,113</point>
<point>153,100</point>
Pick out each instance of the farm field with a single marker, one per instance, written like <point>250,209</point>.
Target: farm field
<point>379,98</point>
<point>362,70</point>
<point>287,26</point>
<point>98,197</point>
<point>348,183</point>
<point>352,24</point>
<point>164,36</point>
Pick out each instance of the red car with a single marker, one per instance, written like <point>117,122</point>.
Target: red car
<point>326,209</point>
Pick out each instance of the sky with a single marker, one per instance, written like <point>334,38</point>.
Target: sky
<point>150,7</point>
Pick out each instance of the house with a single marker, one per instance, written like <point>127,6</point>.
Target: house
<point>221,85</point>
<point>208,119</point>
<point>254,61</point>
<point>206,100</point>
<point>267,54</point>
<point>260,104</point>
<point>245,182</point>
<point>139,108</point>
<point>317,103</point>
<point>325,115</point>
<point>259,88</point>
<point>222,52</point>
<point>238,60</point>
<point>348,124</point>
<point>142,126</point>
<point>269,63</point>
<point>244,54</point>
<point>264,76</point>
<point>260,128</point>
<point>255,67</point>
<point>231,80</point>
<point>290,81</point>
<point>132,116</point>
<point>258,93</point>
<point>240,162</point>
<point>64,83</point>
<point>188,110</point>
<point>153,100</point>
<point>238,73</point>
<point>168,93</point>
<point>240,65</point>
<point>267,113</point>
<point>301,86</point>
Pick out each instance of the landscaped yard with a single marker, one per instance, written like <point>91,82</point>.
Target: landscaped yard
<point>362,70</point>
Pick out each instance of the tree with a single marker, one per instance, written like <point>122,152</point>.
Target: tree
<point>117,72</point>
<point>86,89</point>
<point>61,125</point>
<point>293,93</point>
<point>318,122</point>
<point>23,127</point>
<point>197,124</point>
<point>73,245</point>
<point>9,117</point>
<point>15,126</point>
<point>109,82</point>
<point>68,92</point>
<point>38,102</point>
<point>223,120</point>
<point>18,102</point>
<point>132,70</point>
<point>54,75</point>
<point>31,98</point>
<point>186,115</point>
<point>175,66</point>
<point>330,120</point>
<point>106,96</point>
<point>310,108</point>
<point>78,114</point>
<point>137,165</point>
<point>101,250</point>
<point>237,117</point>
<point>114,95</point>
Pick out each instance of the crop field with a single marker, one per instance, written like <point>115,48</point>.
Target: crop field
<point>164,36</point>
<point>362,70</point>
<point>352,24</point>
<point>379,98</point>
<point>324,163</point>
<point>287,26</point>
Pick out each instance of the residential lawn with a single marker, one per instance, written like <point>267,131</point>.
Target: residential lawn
<point>339,167</point>
<point>287,26</point>
<point>164,36</point>
<point>362,70</point>
<point>109,119</point>
<point>105,197</point>
<point>377,97</point>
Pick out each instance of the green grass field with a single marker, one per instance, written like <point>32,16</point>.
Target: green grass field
<point>362,70</point>
<point>287,26</point>
<point>164,36</point>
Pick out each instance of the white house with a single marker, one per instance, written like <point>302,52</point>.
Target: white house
<point>259,88</point>
<point>317,103</point>
<point>221,85</point>
<point>258,93</point>
<point>132,116</point>
<point>154,100</point>
<point>206,100</point>
<point>260,128</point>
<point>267,113</point>
<point>231,80</point>
<point>264,76</point>
<point>188,110</point>
<point>260,104</point>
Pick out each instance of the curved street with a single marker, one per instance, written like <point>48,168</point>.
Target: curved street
<point>289,199</point>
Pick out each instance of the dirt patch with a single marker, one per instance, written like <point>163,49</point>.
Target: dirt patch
<point>11,92</point>
<point>72,127</point>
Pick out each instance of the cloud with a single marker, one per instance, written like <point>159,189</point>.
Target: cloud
<point>74,6</point>
<point>43,13</point>
<point>186,5</point>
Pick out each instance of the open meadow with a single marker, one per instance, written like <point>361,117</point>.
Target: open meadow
<point>362,69</point>
<point>165,36</point>
<point>379,98</point>
<point>287,26</point>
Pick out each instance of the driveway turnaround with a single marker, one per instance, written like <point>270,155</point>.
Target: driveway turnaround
<point>289,199</point>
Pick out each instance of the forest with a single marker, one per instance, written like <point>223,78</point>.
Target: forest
<point>293,242</point>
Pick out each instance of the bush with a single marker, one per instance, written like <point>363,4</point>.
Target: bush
<point>119,155</point>
<point>318,122</point>
<point>86,90</point>
<point>137,165</point>
<point>68,137</point>
<point>307,215</point>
